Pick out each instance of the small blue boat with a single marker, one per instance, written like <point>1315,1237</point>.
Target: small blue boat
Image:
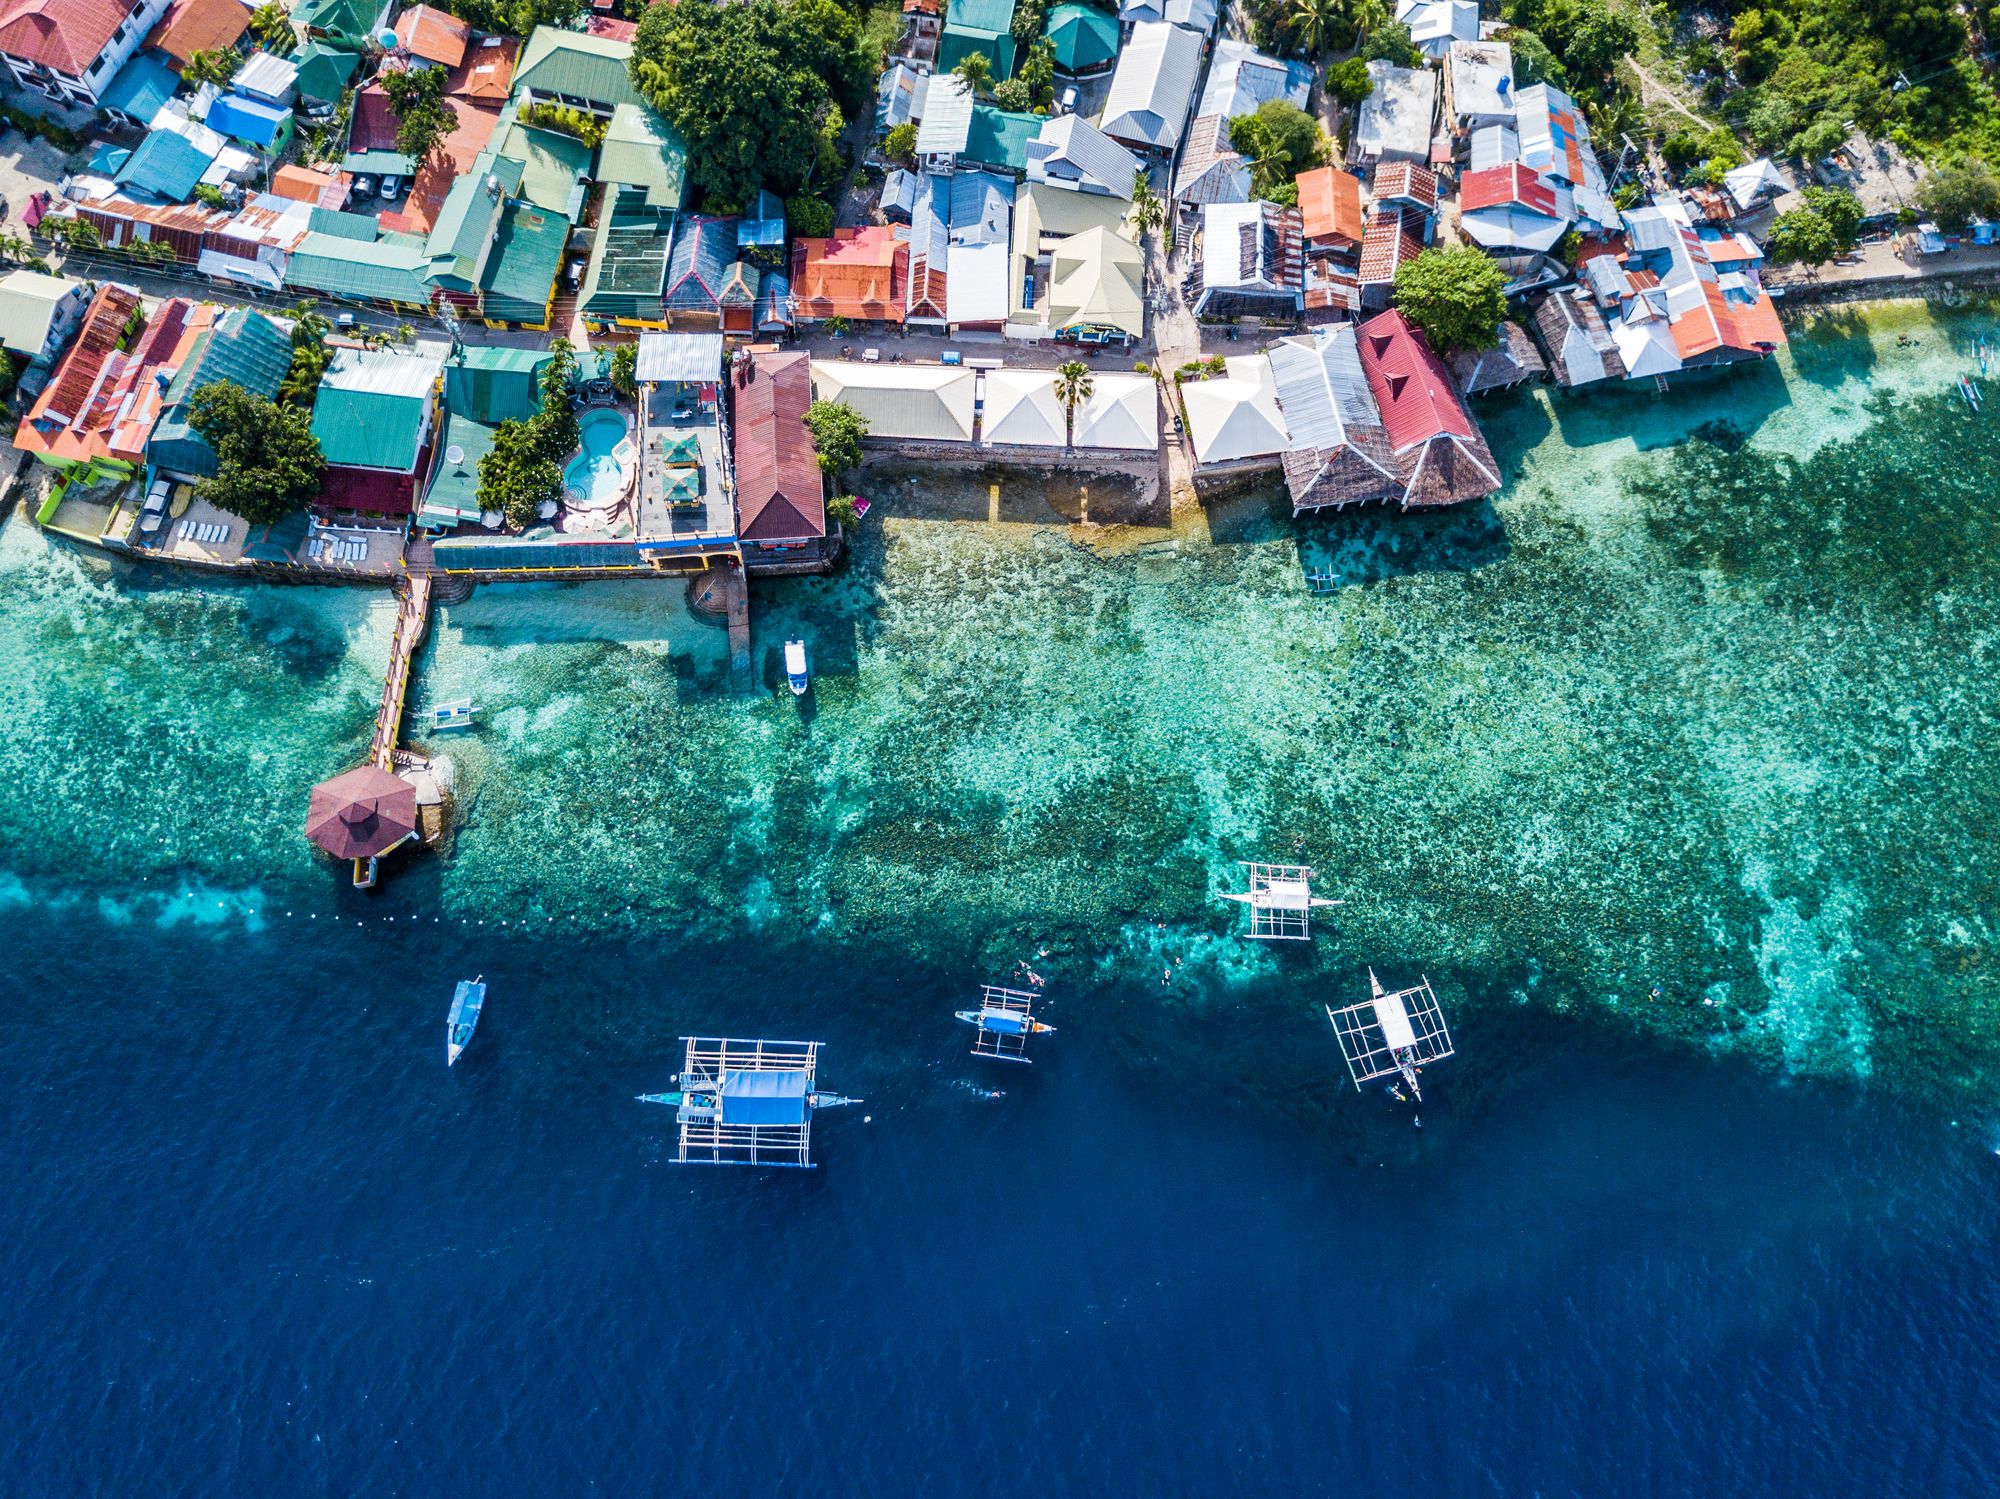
<point>457,714</point>
<point>464,1017</point>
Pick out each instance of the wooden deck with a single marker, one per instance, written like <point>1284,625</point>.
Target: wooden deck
<point>413,616</point>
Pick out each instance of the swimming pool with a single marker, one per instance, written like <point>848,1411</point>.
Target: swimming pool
<point>599,476</point>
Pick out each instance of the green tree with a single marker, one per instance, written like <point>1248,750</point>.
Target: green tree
<point>1841,210</point>
<point>1280,141</point>
<point>808,217</point>
<point>310,355</point>
<point>1148,213</point>
<point>423,117</point>
<point>216,67</point>
<point>749,87</point>
<point>1390,42</point>
<point>976,68</point>
<point>273,27</point>
<point>1533,61</point>
<point>625,371</point>
<point>900,144</point>
<point>1037,69</point>
<point>1029,15</point>
<point>1800,237</point>
<point>1819,139</point>
<point>517,17</point>
<point>1073,387</point>
<point>268,461</point>
<point>1012,94</point>
<point>837,431</point>
<point>1456,295</point>
<point>1315,23</point>
<point>1348,81</point>
<point>517,476</point>
<point>1586,35</point>
<point>1958,192</point>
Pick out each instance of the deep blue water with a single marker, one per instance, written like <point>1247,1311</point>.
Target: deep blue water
<point>257,1240</point>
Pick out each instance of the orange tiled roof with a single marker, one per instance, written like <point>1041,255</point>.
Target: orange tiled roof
<point>192,26</point>
<point>433,35</point>
<point>855,273</point>
<point>1330,204</point>
<point>103,402</point>
<point>487,72</point>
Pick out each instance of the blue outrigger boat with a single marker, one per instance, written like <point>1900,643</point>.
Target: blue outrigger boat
<point>464,1017</point>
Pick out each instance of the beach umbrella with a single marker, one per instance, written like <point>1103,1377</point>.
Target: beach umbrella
<point>362,813</point>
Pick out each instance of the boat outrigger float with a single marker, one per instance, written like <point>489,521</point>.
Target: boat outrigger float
<point>747,1103</point>
<point>1392,1034</point>
<point>456,714</point>
<point>1005,1018</point>
<point>459,1025</point>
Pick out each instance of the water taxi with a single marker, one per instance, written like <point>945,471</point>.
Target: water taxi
<point>456,714</point>
<point>795,667</point>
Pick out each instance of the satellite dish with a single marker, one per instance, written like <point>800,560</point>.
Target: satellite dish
<point>454,454</point>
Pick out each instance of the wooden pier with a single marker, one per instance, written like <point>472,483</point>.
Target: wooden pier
<point>413,618</point>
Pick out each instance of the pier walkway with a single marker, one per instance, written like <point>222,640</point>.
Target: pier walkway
<point>413,617</point>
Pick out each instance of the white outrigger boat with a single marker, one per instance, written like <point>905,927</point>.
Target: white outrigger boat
<point>795,667</point>
<point>456,714</point>
<point>459,1025</point>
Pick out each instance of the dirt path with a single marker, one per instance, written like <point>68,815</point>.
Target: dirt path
<point>1648,82</point>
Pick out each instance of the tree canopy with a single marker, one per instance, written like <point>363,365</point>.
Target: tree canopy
<point>524,469</point>
<point>1348,81</point>
<point>837,431</point>
<point>1456,295</point>
<point>1586,36</point>
<point>1800,237</point>
<point>1279,141</point>
<point>751,87</point>
<point>269,462</point>
<point>1958,192</point>
<point>423,117</point>
<point>516,17</point>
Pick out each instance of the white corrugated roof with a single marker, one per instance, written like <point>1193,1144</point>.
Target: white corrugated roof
<point>1101,164</point>
<point>383,372</point>
<point>976,280</point>
<point>1236,416</point>
<point>947,121</point>
<point>688,358</point>
<point>1123,411</point>
<point>920,402</point>
<point>1322,391</point>
<point>1022,409</point>
<point>1153,86</point>
<point>1240,78</point>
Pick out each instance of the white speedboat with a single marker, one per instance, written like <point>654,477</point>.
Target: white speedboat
<point>795,667</point>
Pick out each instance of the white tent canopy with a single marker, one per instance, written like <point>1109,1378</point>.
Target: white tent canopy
<point>1236,417</point>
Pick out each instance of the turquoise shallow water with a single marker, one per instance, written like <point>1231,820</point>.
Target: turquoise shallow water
<point>1700,705</point>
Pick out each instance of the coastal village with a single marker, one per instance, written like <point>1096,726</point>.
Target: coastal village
<point>1118,240</point>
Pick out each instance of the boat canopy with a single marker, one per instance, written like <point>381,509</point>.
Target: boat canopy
<point>763,1098</point>
<point>1002,1020</point>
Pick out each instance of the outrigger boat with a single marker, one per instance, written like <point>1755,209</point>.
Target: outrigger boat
<point>1970,391</point>
<point>712,1099</point>
<point>464,1017</point>
<point>456,714</point>
<point>795,667</point>
<point>1005,1018</point>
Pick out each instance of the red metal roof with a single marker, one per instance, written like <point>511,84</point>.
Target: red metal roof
<point>1497,187</point>
<point>780,495</point>
<point>1410,384</point>
<point>66,35</point>
<point>611,28</point>
<point>374,127</point>
<point>374,490</point>
<point>1330,204</point>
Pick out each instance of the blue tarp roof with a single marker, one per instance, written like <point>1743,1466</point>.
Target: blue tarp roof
<point>246,119</point>
<point>763,1098</point>
<point>142,86</point>
<point>166,166</point>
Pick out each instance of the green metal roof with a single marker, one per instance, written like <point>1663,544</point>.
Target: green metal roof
<point>342,225</point>
<point>554,166</point>
<point>584,67</point>
<point>348,17</point>
<point>165,166</point>
<point>467,220</point>
<point>521,273</point>
<point>383,271</point>
<point>379,163</point>
<point>324,71</point>
<point>978,26</point>
<point>245,348</point>
<point>490,384</point>
<point>142,86</point>
<point>1083,35</point>
<point>642,150</point>
<point>999,137</point>
<point>454,491</point>
<point>367,428</point>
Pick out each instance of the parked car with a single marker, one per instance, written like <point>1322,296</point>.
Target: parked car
<point>392,187</point>
<point>364,186</point>
<point>576,273</point>
<point>951,356</point>
<point>871,356</point>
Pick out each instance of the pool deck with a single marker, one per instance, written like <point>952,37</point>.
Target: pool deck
<point>658,430</point>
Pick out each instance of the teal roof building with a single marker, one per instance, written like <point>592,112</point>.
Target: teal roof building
<point>984,26</point>
<point>246,349</point>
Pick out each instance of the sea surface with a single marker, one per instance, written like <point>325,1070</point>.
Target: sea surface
<point>1672,768</point>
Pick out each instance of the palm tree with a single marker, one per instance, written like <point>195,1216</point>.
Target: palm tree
<point>976,69</point>
<point>1368,16</point>
<point>1073,384</point>
<point>1148,212</point>
<point>1313,22</point>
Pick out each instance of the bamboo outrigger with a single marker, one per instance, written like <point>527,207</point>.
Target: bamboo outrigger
<point>1005,1018</point>
<point>747,1103</point>
<point>1281,901</point>
<point>1392,1034</point>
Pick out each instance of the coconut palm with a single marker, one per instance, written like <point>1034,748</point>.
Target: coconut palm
<point>976,69</point>
<point>1073,384</point>
<point>1313,22</point>
<point>1368,16</point>
<point>1148,212</point>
